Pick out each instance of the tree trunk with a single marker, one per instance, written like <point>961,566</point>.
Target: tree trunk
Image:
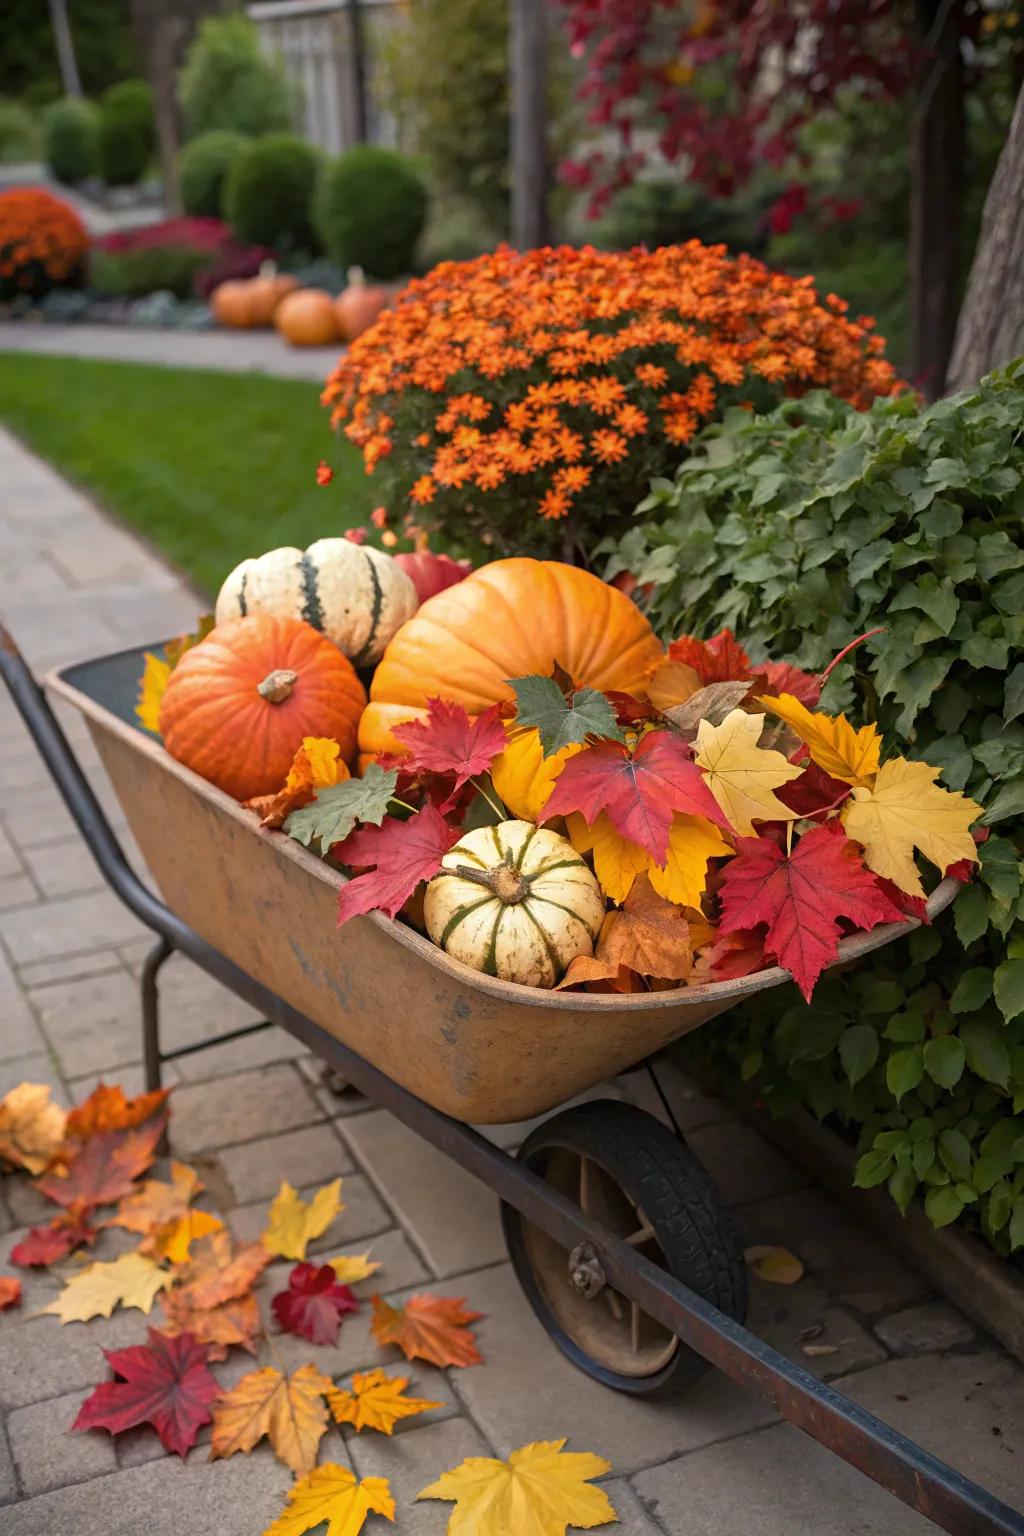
<point>357,72</point>
<point>990,330</point>
<point>164,29</point>
<point>69,76</point>
<point>528,67</point>
<point>937,173</point>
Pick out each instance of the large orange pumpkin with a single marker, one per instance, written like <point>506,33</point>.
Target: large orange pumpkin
<point>239,703</point>
<point>307,319</point>
<point>230,304</point>
<point>266,292</point>
<point>506,620</point>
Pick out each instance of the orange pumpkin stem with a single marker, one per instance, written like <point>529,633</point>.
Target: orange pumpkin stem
<point>277,686</point>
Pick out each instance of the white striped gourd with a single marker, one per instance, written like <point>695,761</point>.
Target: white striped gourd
<point>356,596</point>
<point>514,901</point>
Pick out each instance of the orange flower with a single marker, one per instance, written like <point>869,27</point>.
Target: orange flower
<point>603,395</point>
<point>423,491</point>
<point>610,447</point>
<point>553,505</point>
<point>575,477</point>
<point>324,473</point>
<point>43,242</point>
<point>631,420</point>
<point>379,517</point>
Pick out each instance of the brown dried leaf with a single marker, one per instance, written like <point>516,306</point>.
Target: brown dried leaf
<point>670,684</point>
<point>712,702</point>
<point>31,1126</point>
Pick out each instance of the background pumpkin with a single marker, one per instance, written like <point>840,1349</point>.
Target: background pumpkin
<point>507,619</point>
<point>430,573</point>
<point>230,304</point>
<point>307,318</point>
<point>358,305</point>
<point>356,595</point>
<point>514,901</point>
<point>266,292</point>
<point>238,705</point>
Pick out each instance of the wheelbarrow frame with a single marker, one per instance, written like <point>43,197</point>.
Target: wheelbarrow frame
<point>912,1474</point>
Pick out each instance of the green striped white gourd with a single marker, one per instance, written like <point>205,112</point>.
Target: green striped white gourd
<point>356,596</point>
<point>514,901</point>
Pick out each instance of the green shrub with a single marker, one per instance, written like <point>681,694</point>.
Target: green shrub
<point>667,211</point>
<point>127,133</point>
<point>203,167</point>
<point>268,192</point>
<point>19,133</point>
<point>105,48</point>
<point>132,274</point>
<point>801,530</point>
<point>370,210</point>
<point>228,82</point>
<point>70,139</point>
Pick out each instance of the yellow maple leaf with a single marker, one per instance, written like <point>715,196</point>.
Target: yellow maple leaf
<point>289,1410</point>
<point>905,810</point>
<point>692,841</point>
<point>31,1126</point>
<point>617,861</point>
<point>524,777</point>
<point>776,1265</point>
<point>293,1224</point>
<point>540,1490</point>
<point>334,1494</point>
<point>740,774</point>
<point>376,1401</point>
<point>843,752</point>
<point>174,1241</point>
<point>350,1267</point>
<point>322,755</point>
<point>152,686</point>
<point>131,1281</point>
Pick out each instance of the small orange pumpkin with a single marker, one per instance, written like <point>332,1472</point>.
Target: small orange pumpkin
<point>359,305</point>
<point>307,318</point>
<point>231,306</point>
<point>238,705</point>
<point>267,291</point>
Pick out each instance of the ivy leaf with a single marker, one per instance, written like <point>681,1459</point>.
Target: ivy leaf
<point>799,899</point>
<point>742,775</point>
<point>944,1060</point>
<point>858,1051</point>
<point>336,809</point>
<point>873,1168</point>
<point>1009,988</point>
<point>403,854</point>
<point>986,1053</point>
<point>450,743</point>
<point>904,1070</point>
<point>970,914</point>
<point>972,990</point>
<point>942,1205</point>
<point>905,810</point>
<point>561,722</point>
<point>639,790</point>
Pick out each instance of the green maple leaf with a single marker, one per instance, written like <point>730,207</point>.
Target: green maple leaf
<point>336,809</point>
<point>560,721</point>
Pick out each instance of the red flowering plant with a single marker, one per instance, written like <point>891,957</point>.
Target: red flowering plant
<point>42,243</point>
<point>526,400</point>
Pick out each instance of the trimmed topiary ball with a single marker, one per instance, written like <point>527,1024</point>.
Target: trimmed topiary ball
<point>268,192</point>
<point>203,169</point>
<point>70,140</point>
<point>370,210</point>
<point>127,133</point>
<point>43,243</point>
<point>228,82</point>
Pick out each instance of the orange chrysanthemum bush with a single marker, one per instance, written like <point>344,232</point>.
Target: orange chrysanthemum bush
<point>527,399</point>
<point>42,243</point>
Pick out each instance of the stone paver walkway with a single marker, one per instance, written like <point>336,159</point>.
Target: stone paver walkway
<point>253,1113</point>
<point>231,351</point>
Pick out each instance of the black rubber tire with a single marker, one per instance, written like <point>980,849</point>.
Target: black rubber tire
<point>693,1229</point>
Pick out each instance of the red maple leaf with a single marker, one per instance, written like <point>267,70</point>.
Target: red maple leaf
<point>403,853</point>
<point>314,1303</point>
<point>44,1245</point>
<point>783,677</point>
<point>718,660</point>
<point>628,711</point>
<point>814,793</point>
<point>799,899</point>
<point>911,906</point>
<point>165,1382</point>
<point>640,790</point>
<point>104,1167</point>
<point>450,743</point>
<point>729,956</point>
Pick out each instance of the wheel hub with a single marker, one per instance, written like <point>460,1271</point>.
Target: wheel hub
<point>585,1271</point>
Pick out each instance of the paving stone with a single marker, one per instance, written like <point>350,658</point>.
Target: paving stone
<point>245,1107</point>
<point>258,1050</point>
<point>131,1077</point>
<point>452,1217</point>
<point>10,862</point>
<point>44,973</point>
<point>527,1390</point>
<point>93,1023</point>
<point>742,1164</point>
<point>96,921</point>
<point>362,1217</point>
<point>781,1314</point>
<point>8,1480</point>
<point>47,1454</point>
<point>19,1032</point>
<point>412,1461</point>
<point>63,869</point>
<point>853,1266</point>
<point>41,1358</point>
<point>922,1330</point>
<point>235,1497</point>
<point>633,1517</point>
<point>313,1155</point>
<point>26,1205</point>
<point>16,891</point>
<point>37,1068</point>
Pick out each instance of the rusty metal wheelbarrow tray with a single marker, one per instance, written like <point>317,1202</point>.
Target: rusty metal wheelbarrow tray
<point>481,1050</point>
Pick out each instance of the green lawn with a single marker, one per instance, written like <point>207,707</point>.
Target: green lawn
<point>208,467</point>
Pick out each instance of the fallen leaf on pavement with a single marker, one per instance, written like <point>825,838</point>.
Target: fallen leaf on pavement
<point>164,1382</point>
<point>376,1401</point>
<point>428,1328</point>
<point>293,1224</point>
<point>234,1322</point>
<point>130,1281</point>
<point>10,1292</point>
<point>814,1350</point>
<point>289,1410</point>
<point>45,1245</point>
<point>161,1212</point>
<point>777,1265</point>
<point>314,1303</point>
<point>333,1494</point>
<point>174,1243</point>
<point>31,1126</point>
<point>350,1267</point>
<point>219,1271</point>
<point>107,1109</point>
<point>541,1489</point>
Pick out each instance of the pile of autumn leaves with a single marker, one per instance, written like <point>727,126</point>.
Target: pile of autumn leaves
<point>733,824</point>
<point>89,1163</point>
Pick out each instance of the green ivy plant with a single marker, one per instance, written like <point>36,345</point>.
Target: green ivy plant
<point>799,530</point>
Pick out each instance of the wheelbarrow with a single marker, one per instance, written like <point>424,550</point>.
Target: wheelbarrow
<point>615,1231</point>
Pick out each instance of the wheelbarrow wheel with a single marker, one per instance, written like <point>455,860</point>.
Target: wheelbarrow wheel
<point>641,1182</point>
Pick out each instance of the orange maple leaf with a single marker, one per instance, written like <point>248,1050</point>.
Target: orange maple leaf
<point>102,1168</point>
<point>289,1410</point>
<point>218,1271</point>
<point>10,1292</point>
<point>233,1322</point>
<point>428,1328</point>
<point>317,764</point>
<point>376,1400</point>
<point>107,1109</point>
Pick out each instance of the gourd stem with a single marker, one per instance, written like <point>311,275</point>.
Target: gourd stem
<point>277,686</point>
<point>503,881</point>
